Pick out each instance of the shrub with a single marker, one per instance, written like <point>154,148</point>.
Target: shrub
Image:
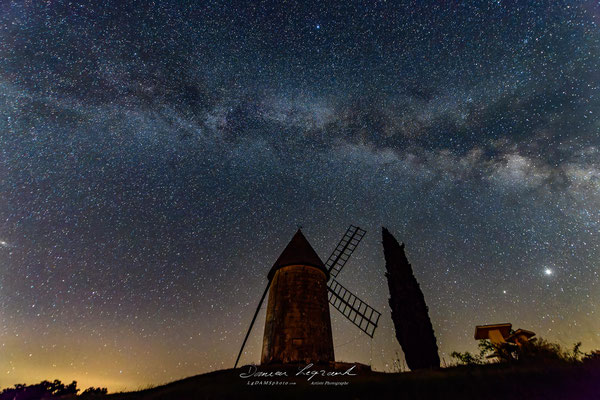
<point>533,352</point>
<point>543,351</point>
<point>486,348</point>
<point>93,392</point>
<point>592,358</point>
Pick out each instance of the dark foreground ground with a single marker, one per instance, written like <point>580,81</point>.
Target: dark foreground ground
<point>563,382</point>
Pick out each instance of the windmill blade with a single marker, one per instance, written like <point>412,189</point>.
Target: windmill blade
<point>357,311</point>
<point>344,250</point>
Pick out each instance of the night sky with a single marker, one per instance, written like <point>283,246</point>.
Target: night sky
<point>156,157</point>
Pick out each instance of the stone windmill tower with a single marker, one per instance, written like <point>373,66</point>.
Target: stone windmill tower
<point>298,324</point>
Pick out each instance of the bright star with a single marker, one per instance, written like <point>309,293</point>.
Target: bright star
<point>318,26</point>
<point>3,243</point>
<point>548,271</point>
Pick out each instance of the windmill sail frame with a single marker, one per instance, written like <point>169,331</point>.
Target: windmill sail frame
<point>344,250</point>
<point>353,308</point>
<point>348,304</point>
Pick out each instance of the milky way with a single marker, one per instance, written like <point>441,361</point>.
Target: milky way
<point>157,157</point>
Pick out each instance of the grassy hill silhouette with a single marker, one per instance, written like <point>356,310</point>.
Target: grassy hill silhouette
<point>491,381</point>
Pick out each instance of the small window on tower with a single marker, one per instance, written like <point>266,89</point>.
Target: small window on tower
<point>297,341</point>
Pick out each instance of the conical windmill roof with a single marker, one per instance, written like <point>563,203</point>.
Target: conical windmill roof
<point>298,252</point>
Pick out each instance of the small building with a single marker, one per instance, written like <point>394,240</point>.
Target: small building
<point>499,334</point>
<point>520,337</point>
<point>495,333</point>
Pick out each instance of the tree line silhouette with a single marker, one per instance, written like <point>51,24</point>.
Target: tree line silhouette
<point>50,390</point>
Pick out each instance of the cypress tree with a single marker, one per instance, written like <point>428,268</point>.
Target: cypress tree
<point>409,311</point>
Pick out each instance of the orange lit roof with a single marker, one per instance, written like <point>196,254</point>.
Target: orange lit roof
<point>482,331</point>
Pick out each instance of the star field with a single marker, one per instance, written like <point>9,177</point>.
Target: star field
<point>156,157</point>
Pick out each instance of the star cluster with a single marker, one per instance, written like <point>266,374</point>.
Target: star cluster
<point>156,157</point>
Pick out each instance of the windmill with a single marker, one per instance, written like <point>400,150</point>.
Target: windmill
<point>298,325</point>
